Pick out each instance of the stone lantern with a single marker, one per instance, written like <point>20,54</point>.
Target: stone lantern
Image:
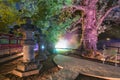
<point>28,66</point>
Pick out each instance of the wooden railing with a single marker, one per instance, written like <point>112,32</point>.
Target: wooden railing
<point>114,51</point>
<point>10,44</point>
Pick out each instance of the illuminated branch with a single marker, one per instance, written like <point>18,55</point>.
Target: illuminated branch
<point>89,3</point>
<point>74,8</point>
<point>74,27</point>
<point>81,8</point>
<point>102,18</point>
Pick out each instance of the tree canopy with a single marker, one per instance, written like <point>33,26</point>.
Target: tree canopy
<point>55,17</point>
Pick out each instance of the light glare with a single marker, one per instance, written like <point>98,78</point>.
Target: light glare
<point>62,44</point>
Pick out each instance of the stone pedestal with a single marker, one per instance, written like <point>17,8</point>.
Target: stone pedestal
<point>27,69</point>
<point>28,66</point>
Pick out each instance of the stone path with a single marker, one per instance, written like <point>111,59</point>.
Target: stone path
<point>73,66</point>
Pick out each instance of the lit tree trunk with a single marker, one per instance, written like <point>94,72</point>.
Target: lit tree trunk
<point>90,28</point>
<point>90,24</point>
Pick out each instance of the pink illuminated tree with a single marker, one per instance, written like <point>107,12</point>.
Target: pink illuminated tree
<point>93,14</point>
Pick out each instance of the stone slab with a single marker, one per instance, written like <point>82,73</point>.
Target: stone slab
<point>23,74</point>
<point>73,66</point>
<point>26,73</point>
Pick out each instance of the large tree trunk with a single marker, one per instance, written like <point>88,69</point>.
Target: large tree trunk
<point>90,35</point>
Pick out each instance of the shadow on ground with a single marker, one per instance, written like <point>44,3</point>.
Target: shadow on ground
<point>86,77</point>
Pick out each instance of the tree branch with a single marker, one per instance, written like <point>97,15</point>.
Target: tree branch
<point>74,8</point>
<point>81,8</point>
<point>88,3</point>
<point>74,29</point>
<point>102,18</point>
<point>73,26</point>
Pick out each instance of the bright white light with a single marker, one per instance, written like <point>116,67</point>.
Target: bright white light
<point>62,44</point>
<point>43,47</point>
<point>22,53</point>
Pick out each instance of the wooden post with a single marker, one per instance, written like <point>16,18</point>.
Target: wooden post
<point>116,57</point>
<point>104,51</point>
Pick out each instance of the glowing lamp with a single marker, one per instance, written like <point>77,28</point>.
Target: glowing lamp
<point>107,39</point>
<point>42,47</point>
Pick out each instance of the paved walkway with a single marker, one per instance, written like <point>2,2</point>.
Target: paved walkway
<point>73,66</point>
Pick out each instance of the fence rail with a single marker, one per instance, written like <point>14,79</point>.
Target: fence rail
<point>10,44</point>
<point>112,52</point>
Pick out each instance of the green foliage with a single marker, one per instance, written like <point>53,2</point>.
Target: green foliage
<point>51,19</point>
<point>8,16</point>
<point>55,31</point>
<point>28,7</point>
<point>46,14</point>
<point>3,27</point>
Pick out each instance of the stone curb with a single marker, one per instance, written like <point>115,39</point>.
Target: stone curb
<point>97,77</point>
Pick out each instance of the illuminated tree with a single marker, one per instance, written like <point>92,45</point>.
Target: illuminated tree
<point>55,16</point>
<point>93,14</point>
<point>53,20</point>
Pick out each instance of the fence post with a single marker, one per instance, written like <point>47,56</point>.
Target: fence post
<point>116,58</point>
<point>104,51</point>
